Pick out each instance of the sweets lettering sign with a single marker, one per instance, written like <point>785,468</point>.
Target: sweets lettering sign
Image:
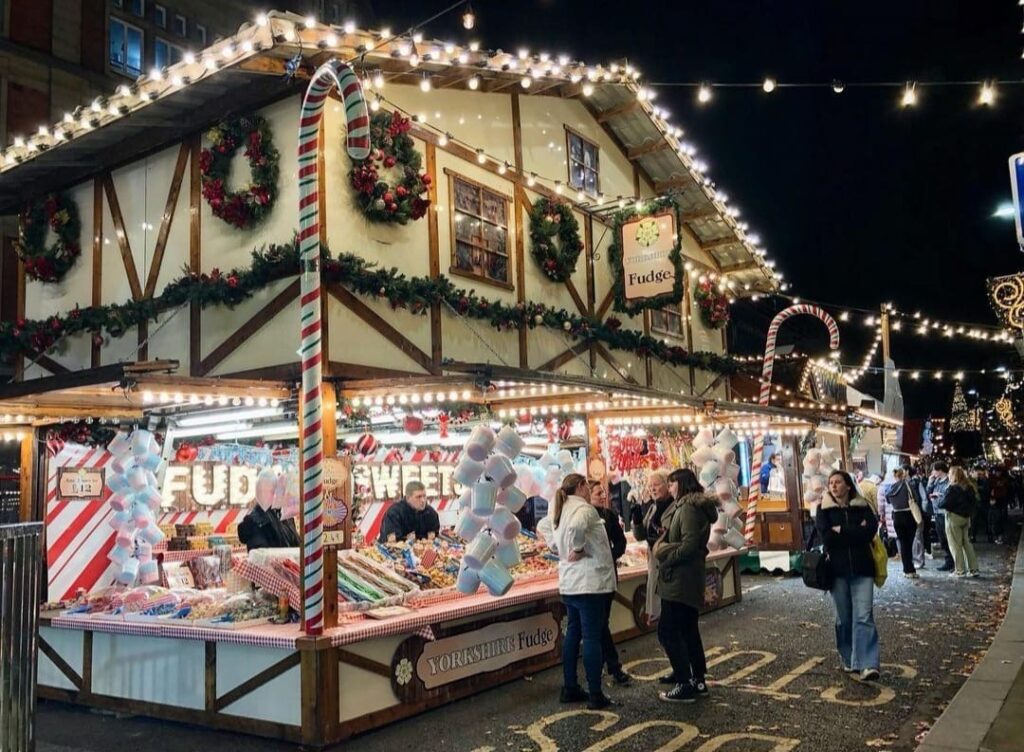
<point>80,484</point>
<point>647,243</point>
<point>380,482</point>
<point>190,485</point>
<point>488,649</point>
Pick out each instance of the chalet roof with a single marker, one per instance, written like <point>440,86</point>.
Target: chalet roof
<point>251,69</point>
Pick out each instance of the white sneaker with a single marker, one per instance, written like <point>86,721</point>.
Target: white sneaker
<point>974,574</point>
<point>869,674</point>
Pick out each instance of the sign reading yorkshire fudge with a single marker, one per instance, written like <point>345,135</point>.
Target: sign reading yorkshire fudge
<point>487,649</point>
<point>647,244</point>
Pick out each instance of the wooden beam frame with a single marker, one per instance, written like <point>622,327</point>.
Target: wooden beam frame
<point>166,219</point>
<point>256,322</point>
<point>520,203</point>
<point>382,327</point>
<point>195,213</point>
<point>707,245</point>
<point>680,181</point>
<point>636,152</point>
<point>95,357</point>
<point>610,360</point>
<point>563,358</point>
<point>122,237</point>
<point>436,341</point>
<point>603,116</point>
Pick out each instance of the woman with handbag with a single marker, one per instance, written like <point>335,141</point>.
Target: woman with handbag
<point>961,501</point>
<point>898,498</point>
<point>848,526</point>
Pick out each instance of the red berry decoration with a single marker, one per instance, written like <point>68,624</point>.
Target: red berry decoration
<point>242,209</point>
<point>713,304</point>
<point>555,238</point>
<point>393,149</point>
<point>57,212</point>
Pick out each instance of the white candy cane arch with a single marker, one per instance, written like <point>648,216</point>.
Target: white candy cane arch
<point>754,489</point>
<point>329,75</point>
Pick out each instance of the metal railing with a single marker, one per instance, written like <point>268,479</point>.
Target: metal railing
<point>21,558</point>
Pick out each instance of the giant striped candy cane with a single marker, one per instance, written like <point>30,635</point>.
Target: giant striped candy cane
<point>754,490</point>
<point>329,75</point>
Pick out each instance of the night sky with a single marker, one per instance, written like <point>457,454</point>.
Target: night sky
<point>857,199</point>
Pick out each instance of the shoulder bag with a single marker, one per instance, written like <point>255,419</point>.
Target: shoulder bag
<point>881,559</point>
<point>816,570</point>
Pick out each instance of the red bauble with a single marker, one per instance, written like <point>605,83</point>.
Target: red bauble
<point>413,424</point>
<point>186,453</point>
<point>367,444</point>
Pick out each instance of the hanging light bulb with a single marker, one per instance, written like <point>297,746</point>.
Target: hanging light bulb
<point>588,89</point>
<point>769,85</point>
<point>442,140</point>
<point>532,180</point>
<point>987,95</point>
<point>704,94</point>
<point>468,18</point>
<point>480,156</point>
<point>525,82</point>
<point>425,83</point>
<point>474,82</point>
<point>378,80</point>
<point>838,86</point>
<point>909,98</point>
<point>558,187</point>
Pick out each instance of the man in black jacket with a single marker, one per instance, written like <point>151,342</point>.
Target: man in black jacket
<point>410,516</point>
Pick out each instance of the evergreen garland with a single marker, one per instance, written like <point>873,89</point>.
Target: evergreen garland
<point>415,294</point>
<point>650,208</point>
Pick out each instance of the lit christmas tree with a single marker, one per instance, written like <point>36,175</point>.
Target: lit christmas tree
<point>961,418</point>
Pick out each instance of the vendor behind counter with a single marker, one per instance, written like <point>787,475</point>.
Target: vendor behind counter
<point>410,516</point>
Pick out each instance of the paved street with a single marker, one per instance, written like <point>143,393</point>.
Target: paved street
<point>776,685</point>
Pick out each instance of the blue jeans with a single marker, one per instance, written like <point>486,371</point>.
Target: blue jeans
<point>588,615</point>
<point>856,635</point>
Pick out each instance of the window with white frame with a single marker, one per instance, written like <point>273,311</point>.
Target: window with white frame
<point>180,25</point>
<point>160,16</point>
<point>126,47</point>
<point>201,33</point>
<point>138,7</point>
<point>165,53</point>
<point>584,172</point>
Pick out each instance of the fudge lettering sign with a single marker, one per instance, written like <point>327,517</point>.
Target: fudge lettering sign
<point>647,268</point>
<point>487,649</point>
<point>386,482</point>
<point>337,501</point>
<point>191,485</point>
<point>80,484</point>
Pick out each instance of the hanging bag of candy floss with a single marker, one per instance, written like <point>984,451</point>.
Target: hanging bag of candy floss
<point>135,499</point>
<point>487,512</point>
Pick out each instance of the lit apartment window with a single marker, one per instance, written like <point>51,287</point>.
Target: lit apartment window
<point>479,232</point>
<point>138,7</point>
<point>180,25</point>
<point>126,42</point>
<point>583,163</point>
<point>160,16</point>
<point>201,33</point>
<point>165,53</point>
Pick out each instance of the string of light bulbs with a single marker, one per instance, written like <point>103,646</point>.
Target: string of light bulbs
<point>909,91</point>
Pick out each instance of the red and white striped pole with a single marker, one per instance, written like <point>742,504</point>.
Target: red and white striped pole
<point>329,75</point>
<point>754,489</point>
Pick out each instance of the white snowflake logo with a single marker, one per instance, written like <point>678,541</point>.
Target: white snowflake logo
<point>647,232</point>
<point>403,672</point>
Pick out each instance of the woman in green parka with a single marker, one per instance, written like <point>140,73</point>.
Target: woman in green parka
<point>680,552</point>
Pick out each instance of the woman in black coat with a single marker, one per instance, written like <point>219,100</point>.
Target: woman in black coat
<point>617,541</point>
<point>847,526</point>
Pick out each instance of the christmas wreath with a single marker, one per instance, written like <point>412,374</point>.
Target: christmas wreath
<point>647,233</point>
<point>548,220</point>
<point>391,146</point>
<point>713,304</point>
<point>243,209</point>
<point>59,213</point>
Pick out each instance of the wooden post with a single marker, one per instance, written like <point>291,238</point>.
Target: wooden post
<point>791,463</point>
<point>195,214</point>
<point>436,347</point>
<point>95,358</point>
<point>27,478</point>
<point>330,434</point>
<point>519,209</point>
<point>321,709</point>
